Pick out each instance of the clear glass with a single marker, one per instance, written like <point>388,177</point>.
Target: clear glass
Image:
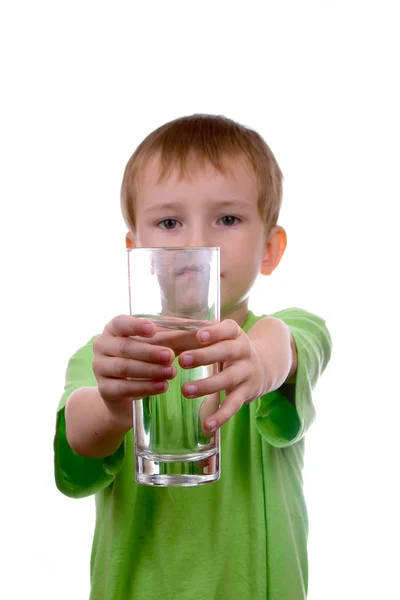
<point>177,289</point>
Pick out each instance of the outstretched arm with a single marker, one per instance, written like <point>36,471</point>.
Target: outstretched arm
<point>260,362</point>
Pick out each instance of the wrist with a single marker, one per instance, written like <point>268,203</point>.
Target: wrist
<point>274,345</point>
<point>119,419</point>
<point>93,430</point>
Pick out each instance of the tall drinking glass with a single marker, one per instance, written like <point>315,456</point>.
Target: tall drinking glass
<point>178,289</point>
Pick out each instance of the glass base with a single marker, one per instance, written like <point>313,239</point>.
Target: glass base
<point>166,470</point>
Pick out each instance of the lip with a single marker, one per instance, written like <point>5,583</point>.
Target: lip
<point>189,270</point>
<point>193,270</point>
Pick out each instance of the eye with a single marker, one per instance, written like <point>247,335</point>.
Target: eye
<point>168,224</point>
<point>229,220</point>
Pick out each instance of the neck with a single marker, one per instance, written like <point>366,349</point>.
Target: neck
<point>238,313</point>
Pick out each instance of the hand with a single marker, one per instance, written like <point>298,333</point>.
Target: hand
<point>243,376</point>
<point>127,366</point>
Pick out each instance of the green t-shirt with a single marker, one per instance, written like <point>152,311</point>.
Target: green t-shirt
<point>241,538</point>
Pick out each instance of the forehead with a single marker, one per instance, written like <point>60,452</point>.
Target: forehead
<point>236,175</point>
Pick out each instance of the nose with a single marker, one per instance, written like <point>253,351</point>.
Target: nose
<point>199,236</point>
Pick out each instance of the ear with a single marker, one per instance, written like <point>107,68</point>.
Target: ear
<point>274,249</point>
<point>129,241</point>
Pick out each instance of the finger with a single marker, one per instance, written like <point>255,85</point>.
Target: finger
<point>178,341</point>
<point>230,406</point>
<point>225,380</point>
<point>226,330</point>
<point>126,347</point>
<point>119,389</point>
<point>225,352</point>
<point>125,325</point>
<point>123,368</point>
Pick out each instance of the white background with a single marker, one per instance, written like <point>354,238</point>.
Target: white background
<point>82,84</point>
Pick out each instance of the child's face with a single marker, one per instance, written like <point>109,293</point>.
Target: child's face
<point>207,209</point>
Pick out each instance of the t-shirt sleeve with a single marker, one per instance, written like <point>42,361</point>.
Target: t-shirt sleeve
<point>284,416</point>
<point>77,476</point>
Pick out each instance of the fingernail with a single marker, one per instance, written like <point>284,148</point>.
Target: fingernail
<point>187,360</point>
<point>205,336</point>
<point>212,425</point>
<point>147,328</point>
<point>164,356</point>
<point>191,389</point>
<point>161,386</point>
<point>168,372</point>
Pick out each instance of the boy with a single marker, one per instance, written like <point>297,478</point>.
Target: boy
<point>201,181</point>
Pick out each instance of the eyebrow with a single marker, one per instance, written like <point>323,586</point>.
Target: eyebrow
<point>162,206</point>
<point>234,202</point>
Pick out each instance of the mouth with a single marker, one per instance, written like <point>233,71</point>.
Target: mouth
<point>190,270</point>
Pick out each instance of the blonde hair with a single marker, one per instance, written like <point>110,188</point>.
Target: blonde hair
<point>207,139</point>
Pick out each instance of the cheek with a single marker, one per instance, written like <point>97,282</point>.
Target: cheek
<point>244,258</point>
<point>241,274</point>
